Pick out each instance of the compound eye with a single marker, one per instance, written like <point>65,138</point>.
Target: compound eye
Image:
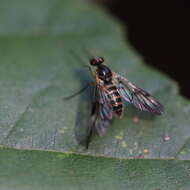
<point>93,61</point>
<point>100,59</point>
<point>96,61</point>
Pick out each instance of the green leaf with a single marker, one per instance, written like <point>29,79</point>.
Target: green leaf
<point>50,170</point>
<point>42,51</point>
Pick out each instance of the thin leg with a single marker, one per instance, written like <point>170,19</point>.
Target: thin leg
<point>77,93</point>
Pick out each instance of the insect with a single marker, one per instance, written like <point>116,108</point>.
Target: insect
<point>110,92</point>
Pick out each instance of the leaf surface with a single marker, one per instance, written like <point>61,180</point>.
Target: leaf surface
<point>43,48</point>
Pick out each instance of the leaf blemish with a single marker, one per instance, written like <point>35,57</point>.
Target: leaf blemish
<point>124,144</point>
<point>62,131</point>
<point>182,152</point>
<point>62,156</point>
<point>167,137</point>
<point>30,109</point>
<point>146,151</point>
<point>135,145</point>
<point>136,119</point>
<point>119,137</point>
<point>21,129</point>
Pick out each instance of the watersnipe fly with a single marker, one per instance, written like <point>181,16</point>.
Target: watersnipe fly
<point>110,92</point>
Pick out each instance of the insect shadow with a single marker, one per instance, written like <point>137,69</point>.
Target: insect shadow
<point>84,92</point>
<point>84,106</point>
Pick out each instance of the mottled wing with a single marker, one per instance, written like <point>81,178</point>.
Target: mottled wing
<point>138,97</point>
<point>101,114</point>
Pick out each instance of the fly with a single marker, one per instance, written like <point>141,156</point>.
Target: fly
<point>110,92</point>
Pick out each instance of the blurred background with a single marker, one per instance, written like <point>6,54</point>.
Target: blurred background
<point>160,32</point>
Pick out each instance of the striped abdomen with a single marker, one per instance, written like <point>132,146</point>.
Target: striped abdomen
<point>116,100</point>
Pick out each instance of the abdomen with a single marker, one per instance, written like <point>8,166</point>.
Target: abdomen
<point>115,99</point>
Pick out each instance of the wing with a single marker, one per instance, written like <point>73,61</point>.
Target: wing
<point>138,97</point>
<point>101,115</point>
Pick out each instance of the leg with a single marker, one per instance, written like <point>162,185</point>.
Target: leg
<point>77,93</point>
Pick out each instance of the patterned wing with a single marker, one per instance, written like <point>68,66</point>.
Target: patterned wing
<point>138,97</point>
<point>101,114</point>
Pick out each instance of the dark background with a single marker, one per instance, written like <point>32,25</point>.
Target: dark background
<point>160,32</point>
